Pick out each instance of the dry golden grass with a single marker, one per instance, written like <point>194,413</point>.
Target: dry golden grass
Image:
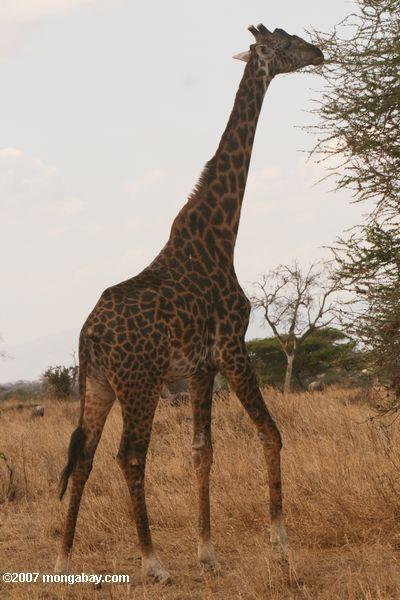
<point>341,485</point>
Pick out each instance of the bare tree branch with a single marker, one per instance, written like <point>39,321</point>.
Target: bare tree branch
<point>295,304</point>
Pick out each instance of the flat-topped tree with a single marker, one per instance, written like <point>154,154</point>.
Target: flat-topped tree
<point>185,315</point>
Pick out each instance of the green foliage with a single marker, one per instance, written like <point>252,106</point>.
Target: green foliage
<point>369,262</point>
<point>60,380</point>
<point>359,131</point>
<point>326,351</point>
<point>268,360</point>
<point>359,110</point>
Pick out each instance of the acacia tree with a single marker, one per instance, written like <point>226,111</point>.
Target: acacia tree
<point>370,267</point>
<point>358,131</point>
<point>295,304</point>
<point>327,351</point>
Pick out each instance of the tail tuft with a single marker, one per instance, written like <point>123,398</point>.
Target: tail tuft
<point>75,451</point>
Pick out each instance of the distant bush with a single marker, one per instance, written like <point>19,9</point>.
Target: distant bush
<point>60,381</point>
<point>20,390</point>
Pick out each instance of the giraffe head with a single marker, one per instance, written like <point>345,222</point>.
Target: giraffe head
<point>280,51</point>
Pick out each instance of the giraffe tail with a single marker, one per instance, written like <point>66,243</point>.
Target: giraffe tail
<point>78,437</point>
<point>75,450</point>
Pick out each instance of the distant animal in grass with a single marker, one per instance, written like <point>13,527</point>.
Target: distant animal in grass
<point>37,411</point>
<point>316,386</point>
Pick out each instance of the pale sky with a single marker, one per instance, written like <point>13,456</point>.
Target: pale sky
<point>108,111</point>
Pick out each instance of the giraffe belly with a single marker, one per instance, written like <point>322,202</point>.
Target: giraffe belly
<point>184,364</point>
<point>180,369</point>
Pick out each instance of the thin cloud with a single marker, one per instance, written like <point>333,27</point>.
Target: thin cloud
<point>19,19</point>
<point>29,187</point>
<point>24,11</point>
<point>147,181</point>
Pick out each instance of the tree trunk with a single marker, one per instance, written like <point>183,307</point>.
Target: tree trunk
<point>288,376</point>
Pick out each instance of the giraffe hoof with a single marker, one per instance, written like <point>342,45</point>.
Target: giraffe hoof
<point>153,569</point>
<point>63,565</point>
<point>279,540</point>
<point>280,553</point>
<point>207,556</point>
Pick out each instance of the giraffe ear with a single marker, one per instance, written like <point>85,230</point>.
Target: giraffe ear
<point>243,56</point>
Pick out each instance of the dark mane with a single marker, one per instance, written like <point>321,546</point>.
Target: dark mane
<point>207,174</point>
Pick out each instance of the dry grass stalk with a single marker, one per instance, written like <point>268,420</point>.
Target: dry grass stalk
<point>341,483</point>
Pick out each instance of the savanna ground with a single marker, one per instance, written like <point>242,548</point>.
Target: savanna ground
<point>341,484</point>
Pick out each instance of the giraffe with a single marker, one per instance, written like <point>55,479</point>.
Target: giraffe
<point>183,316</point>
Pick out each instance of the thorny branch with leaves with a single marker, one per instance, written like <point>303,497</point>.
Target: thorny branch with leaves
<point>359,111</point>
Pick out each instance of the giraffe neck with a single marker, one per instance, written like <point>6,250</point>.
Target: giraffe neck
<point>210,218</point>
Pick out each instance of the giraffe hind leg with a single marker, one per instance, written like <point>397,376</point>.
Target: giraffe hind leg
<point>99,398</point>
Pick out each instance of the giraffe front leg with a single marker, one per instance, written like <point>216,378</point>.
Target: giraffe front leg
<point>244,383</point>
<point>200,388</point>
<point>132,460</point>
<point>271,441</point>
